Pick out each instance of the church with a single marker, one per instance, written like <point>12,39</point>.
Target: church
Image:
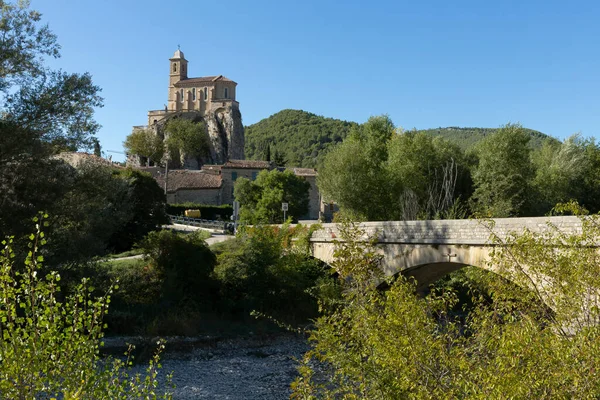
<point>212,100</point>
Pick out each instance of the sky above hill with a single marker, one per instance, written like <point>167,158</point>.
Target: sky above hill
<point>425,63</point>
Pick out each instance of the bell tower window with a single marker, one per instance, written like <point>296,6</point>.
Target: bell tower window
<point>174,67</point>
<point>226,93</point>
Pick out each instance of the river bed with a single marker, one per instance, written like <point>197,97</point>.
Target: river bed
<point>248,368</point>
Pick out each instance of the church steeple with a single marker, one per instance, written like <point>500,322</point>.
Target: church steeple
<point>178,72</point>
<point>178,66</point>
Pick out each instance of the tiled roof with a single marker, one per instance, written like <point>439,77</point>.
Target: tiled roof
<point>304,171</point>
<point>203,79</point>
<point>248,164</point>
<point>185,179</point>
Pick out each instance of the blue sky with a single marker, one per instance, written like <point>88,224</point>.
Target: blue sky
<point>425,63</point>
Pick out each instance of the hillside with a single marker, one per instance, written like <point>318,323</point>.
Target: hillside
<point>301,137</point>
<point>468,137</point>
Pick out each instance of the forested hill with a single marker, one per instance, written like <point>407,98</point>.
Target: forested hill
<point>302,138</point>
<point>468,137</point>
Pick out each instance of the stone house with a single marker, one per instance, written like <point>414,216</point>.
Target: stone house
<point>213,184</point>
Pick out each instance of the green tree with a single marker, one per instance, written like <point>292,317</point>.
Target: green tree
<point>354,175</point>
<point>187,139</point>
<point>51,348</point>
<point>145,143</point>
<point>260,200</point>
<point>43,112</point>
<point>147,203</point>
<point>379,173</point>
<point>504,174</point>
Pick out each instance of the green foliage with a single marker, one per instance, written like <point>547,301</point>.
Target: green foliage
<point>259,271</point>
<point>396,344</point>
<point>503,176</point>
<point>187,138</point>
<point>184,264</point>
<point>103,209</point>
<point>301,139</point>
<point>207,211</point>
<point>57,107</point>
<point>146,201</point>
<point>468,138</point>
<point>380,174</point>
<point>145,143</point>
<point>260,200</point>
<point>50,348</point>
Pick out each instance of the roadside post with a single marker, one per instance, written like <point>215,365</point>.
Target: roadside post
<point>284,207</point>
<point>236,215</point>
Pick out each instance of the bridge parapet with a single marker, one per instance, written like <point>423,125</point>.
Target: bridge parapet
<point>463,231</point>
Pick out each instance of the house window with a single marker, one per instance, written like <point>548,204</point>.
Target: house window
<point>174,67</point>
<point>205,93</point>
<point>194,94</point>
<point>233,176</point>
<point>226,93</point>
<point>254,175</point>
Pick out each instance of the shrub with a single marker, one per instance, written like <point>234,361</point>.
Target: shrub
<point>184,264</point>
<point>50,348</point>
<point>258,272</point>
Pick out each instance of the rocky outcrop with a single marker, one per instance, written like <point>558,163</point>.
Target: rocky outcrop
<point>225,133</point>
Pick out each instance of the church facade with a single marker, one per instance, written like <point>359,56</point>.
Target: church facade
<point>208,99</point>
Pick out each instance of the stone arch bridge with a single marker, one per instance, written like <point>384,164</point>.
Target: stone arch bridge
<point>428,250</point>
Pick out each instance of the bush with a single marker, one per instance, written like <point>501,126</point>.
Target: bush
<point>207,211</point>
<point>49,348</point>
<point>184,264</point>
<point>260,271</point>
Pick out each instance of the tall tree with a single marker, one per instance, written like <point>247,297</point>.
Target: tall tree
<point>187,139</point>
<point>261,199</point>
<point>503,177</point>
<point>44,112</point>
<point>145,143</point>
<point>353,174</point>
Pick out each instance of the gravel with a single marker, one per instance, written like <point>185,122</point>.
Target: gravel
<point>250,368</point>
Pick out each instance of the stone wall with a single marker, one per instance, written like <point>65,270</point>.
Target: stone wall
<point>462,231</point>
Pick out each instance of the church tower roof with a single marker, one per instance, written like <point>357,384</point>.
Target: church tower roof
<point>178,54</point>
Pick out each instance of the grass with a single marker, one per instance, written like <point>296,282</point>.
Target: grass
<point>126,263</point>
<point>128,253</point>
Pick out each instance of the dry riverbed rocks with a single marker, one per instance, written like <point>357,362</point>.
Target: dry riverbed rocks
<point>210,368</point>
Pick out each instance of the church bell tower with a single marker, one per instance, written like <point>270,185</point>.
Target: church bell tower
<point>178,71</point>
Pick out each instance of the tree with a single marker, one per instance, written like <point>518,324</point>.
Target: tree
<point>187,138</point>
<point>353,174</point>
<point>147,204</point>
<point>267,156</point>
<point>560,169</point>
<point>504,174</point>
<point>97,148</point>
<point>44,112</point>
<point>260,200</point>
<point>145,143</point>
<point>51,348</point>
<point>379,173</point>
